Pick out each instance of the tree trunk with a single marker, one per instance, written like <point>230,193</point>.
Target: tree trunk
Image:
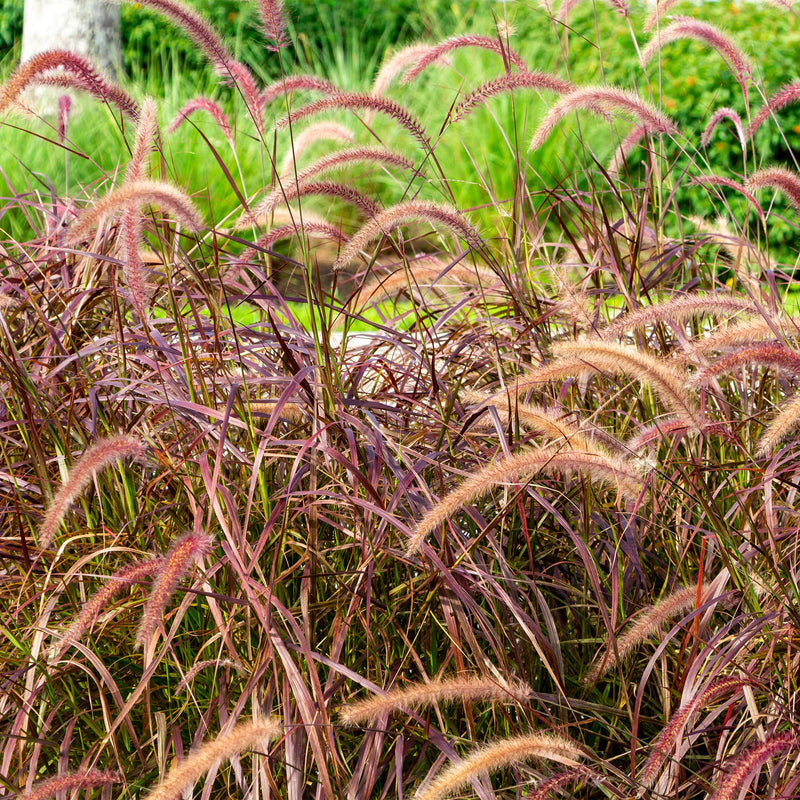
<point>87,27</point>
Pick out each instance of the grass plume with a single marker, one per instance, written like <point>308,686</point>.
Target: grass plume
<point>134,196</point>
<point>499,754</point>
<point>677,309</point>
<point>708,34</point>
<point>668,736</point>
<point>72,781</point>
<point>273,19</point>
<point>506,83</point>
<point>360,102</point>
<point>597,465</point>
<point>602,100</point>
<point>185,551</point>
<point>743,766</point>
<point>411,698</point>
<point>493,44</point>
<point>612,358</point>
<point>97,457</point>
<point>649,622</point>
<point>214,110</point>
<point>115,585</point>
<point>382,224</point>
<point>244,736</point>
<point>68,70</point>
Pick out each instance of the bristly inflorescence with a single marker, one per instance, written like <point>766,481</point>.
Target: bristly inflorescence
<point>437,51</point>
<point>67,70</point>
<point>97,457</point>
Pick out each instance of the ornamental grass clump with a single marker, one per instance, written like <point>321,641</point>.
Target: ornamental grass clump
<point>448,438</point>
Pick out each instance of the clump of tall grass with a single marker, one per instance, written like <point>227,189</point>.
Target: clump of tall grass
<point>399,449</point>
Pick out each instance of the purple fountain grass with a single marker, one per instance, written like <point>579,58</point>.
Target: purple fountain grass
<point>116,584</point>
<point>273,18</point>
<point>134,196</point>
<point>318,230</point>
<point>131,232</point>
<point>541,374</point>
<point>292,190</point>
<point>498,754</point>
<point>70,70</point>
<point>494,44</point>
<point>595,463</point>
<point>361,102</point>
<point>144,141</point>
<point>239,76</point>
<point>601,100</point>
<point>393,67</point>
<point>101,454</point>
<point>691,28</point>
<point>213,109</point>
<point>780,427</point>
<point>767,354</point>
<point>354,155</point>
<point>719,180</point>
<point>784,180</point>
<point>185,551</point>
<point>556,781</point>
<point>677,309</point>
<point>551,422</point>
<point>669,734</point>
<point>648,623</point>
<point>294,185</point>
<point>411,698</point>
<point>71,781</point>
<point>609,357</point>
<point>743,767</point>
<point>507,83</point>
<point>206,38</point>
<point>648,435</point>
<point>382,224</point>
<point>131,225</point>
<point>245,736</point>
<point>716,118</point>
<point>786,95</point>
<point>740,333</point>
<point>294,83</point>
